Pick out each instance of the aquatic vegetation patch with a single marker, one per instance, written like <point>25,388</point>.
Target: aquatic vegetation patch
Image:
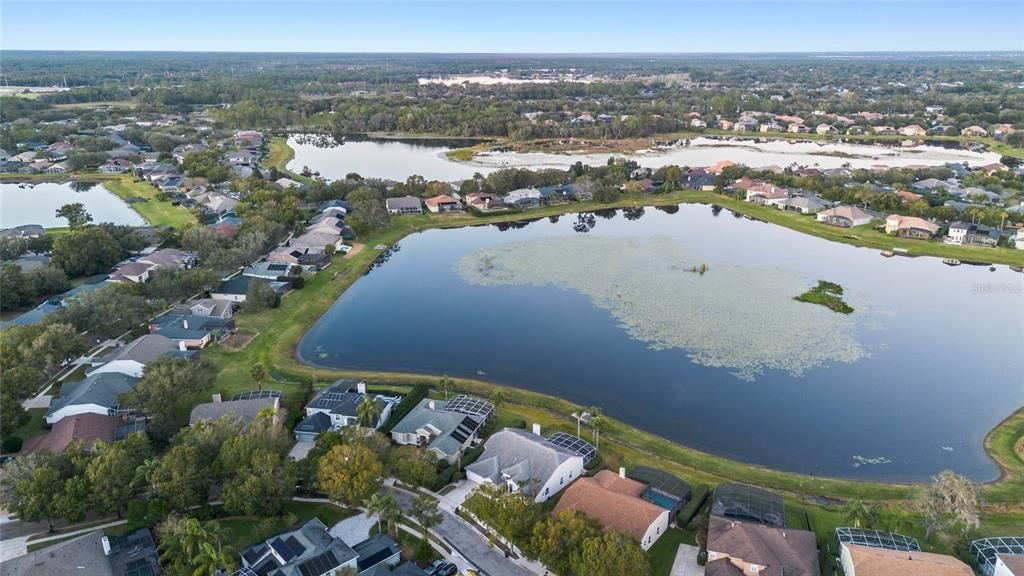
<point>741,319</point>
<point>827,294</point>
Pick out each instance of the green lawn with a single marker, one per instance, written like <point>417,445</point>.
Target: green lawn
<point>156,212</point>
<point>35,426</point>
<point>663,553</point>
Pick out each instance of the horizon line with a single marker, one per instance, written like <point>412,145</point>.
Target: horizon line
<point>1014,51</point>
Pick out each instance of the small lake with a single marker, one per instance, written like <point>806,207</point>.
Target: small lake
<point>38,202</point>
<point>612,310</point>
<point>397,160</point>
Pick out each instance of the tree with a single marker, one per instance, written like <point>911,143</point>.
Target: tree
<point>385,508</point>
<point>86,251</point>
<point>112,472</point>
<point>424,510</point>
<point>950,500</point>
<point>367,411</point>
<point>554,538</point>
<point>445,386</point>
<point>860,514</point>
<point>59,342</point>
<point>182,478</point>
<point>166,392</point>
<point>12,414</point>
<point>413,466</point>
<point>75,214</point>
<point>349,474</point>
<point>610,554</point>
<point>37,496</point>
<point>595,424</point>
<point>262,487</point>
<point>45,280</point>
<point>14,290</point>
<point>257,373</point>
<point>260,296</point>
<point>111,310</point>
<point>498,398</point>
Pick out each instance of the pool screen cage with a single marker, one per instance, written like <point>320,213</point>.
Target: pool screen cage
<point>745,502</point>
<point>877,539</point>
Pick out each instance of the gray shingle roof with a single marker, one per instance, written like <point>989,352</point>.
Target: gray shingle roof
<point>100,389</point>
<point>448,423</point>
<point>82,555</point>
<point>521,456</point>
<point>144,349</point>
<point>246,410</point>
<point>309,547</point>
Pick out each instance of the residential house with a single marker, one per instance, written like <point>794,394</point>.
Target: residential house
<point>169,258</point>
<point>219,204</point>
<point>246,407</point>
<point>192,332</point>
<point>739,547</point>
<point>745,124</point>
<point>1018,239</point>
<point>211,307</point>
<point>910,227</point>
<point>615,501</point>
<point>307,550</point>
<point>235,288</point>
<point>804,204</point>
<point>825,129</point>
<point>404,205</point>
<point>96,394</point>
<point>908,196</point>
<point>86,429</point>
<point>443,203</point>
<point>976,131</point>
<point>698,123</point>
<point>23,231</point>
<point>698,179</point>
<point>484,202</point>
<point>883,130</point>
<point>861,560</point>
<point>242,157</point>
<point>379,550</point>
<point>268,270</point>
<point>289,183</point>
<point>772,126</point>
<point>999,555</point>
<point>845,216</point>
<point>520,461</point>
<point>60,302</point>
<point>136,272</point>
<point>131,554</point>
<point>132,358</point>
<point>523,198</point>
<point>932,184</point>
<point>560,193</point>
<point>337,406</point>
<point>797,129</point>
<point>432,425</point>
<point>115,166</point>
<point>1008,565</point>
<point>767,194</point>
<point>972,234</point>
<point>912,130</point>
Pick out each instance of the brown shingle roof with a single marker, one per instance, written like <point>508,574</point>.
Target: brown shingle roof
<point>85,428</point>
<point>1014,563</point>
<point>878,562</point>
<point>613,501</point>
<point>782,550</point>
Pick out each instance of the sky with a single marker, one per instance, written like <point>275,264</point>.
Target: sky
<point>513,26</point>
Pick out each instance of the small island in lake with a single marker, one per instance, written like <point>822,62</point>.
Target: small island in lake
<point>828,294</point>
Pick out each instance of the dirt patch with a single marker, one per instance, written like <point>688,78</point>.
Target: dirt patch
<point>356,249</point>
<point>239,339</point>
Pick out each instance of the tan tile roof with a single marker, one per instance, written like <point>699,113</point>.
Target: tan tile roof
<point>442,199</point>
<point>784,551</point>
<point>613,501</point>
<point>877,562</point>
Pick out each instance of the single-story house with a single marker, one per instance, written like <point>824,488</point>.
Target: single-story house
<point>207,307</point>
<point>845,216</point>
<point>94,554</point>
<point>910,227</point>
<point>289,183</point>
<point>404,205</point>
<point>132,358</point>
<point>484,202</point>
<point>245,408</point>
<point>526,462</point>
<point>169,258</point>
<point>96,394</point>
<point>136,272</point>
<point>431,425</point>
<point>523,198</point>
<point>192,332</point>
<point>972,234</point>
<point>804,204</point>
<point>615,502</point>
<point>443,203</point>
<point>88,429</point>
<point>1018,239</point>
<point>236,288</point>
<point>767,194</point>
<point>741,547</point>
<point>268,270</point>
<point>340,402</point>
<point>912,130</point>
<point>859,560</point>
<point>974,130</point>
<point>306,549</point>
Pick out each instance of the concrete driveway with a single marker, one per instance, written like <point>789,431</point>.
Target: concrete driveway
<point>353,530</point>
<point>686,562</point>
<point>456,497</point>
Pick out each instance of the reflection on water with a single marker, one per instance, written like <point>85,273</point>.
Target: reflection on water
<point>37,203</point>
<point>605,310</point>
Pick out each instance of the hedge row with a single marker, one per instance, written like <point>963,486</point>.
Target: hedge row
<point>698,495</point>
<point>409,401</point>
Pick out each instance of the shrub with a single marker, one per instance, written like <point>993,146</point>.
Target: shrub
<point>698,495</point>
<point>471,456</point>
<point>446,477</point>
<point>409,401</point>
<point>10,444</point>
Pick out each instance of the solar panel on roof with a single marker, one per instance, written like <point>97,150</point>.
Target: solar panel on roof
<point>277,267</point>
<point>295,546</point>
<point>319,564</point>
<point>140,567</point>
<point>257,394</point>
<point>282,549</point>
<point>574,444</point>
<point>877,539</point>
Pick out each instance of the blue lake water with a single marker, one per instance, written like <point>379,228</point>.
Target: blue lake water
<point>37,203</point>
<point>726,362</point>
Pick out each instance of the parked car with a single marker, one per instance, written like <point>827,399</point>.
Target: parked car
<point>445,569</point>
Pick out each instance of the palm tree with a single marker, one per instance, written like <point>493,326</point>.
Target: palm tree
<point>445,385</point>
<point>498,397</point>
<point>374,506</point>
<point>367,411</point>
<point>213,560</point>
<point>595,424</point>
<point>258,373</point>
<point>385,508</point>
<point>860,514</point>
<point>144,471</point>
<point>391,512</point>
